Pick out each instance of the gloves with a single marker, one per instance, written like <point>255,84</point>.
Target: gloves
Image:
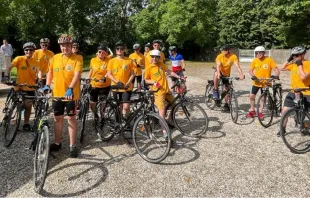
<point>69,92</point>
<point>156,84</point>
<point>254,78</point>
<point>103,79</point>
<point>298,63</point>
<point>120,85</point>
<point>290,58</point>
<point>126,86</point>
<point>275,77</point>
<point>45,89</point>
<point>5,78</point>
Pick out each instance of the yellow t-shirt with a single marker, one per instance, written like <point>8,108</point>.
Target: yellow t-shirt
<point>262,69</point>
<point>44,57</point>
<point>99,70</point>
<point>27,69</point>
<point>137,58</point>
<point>63,69</point>
<point>296,81</point>
<point>157,73</point>
<point>226,62</point>
<point>121,70</point>
<point>148,59</point>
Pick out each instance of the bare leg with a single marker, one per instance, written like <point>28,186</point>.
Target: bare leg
<point>72,128</point>
<point>59,122</point>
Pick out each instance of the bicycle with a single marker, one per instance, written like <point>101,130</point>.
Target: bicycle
<point>188,117</point>
<point>150,133</point>
<point>295,123</point>
<point>232,100</point>
<point>13,112</point>
<point>269,104</point>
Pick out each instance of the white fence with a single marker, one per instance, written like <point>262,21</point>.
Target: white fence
<point>247,55</point>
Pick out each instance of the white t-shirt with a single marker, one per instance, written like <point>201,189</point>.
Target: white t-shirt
<point>7,50</point>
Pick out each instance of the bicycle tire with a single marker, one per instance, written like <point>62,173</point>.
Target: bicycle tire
<point>149,138</point>
<point>190,118</point>
<point>84,111</point>
<point>105,122</point>
<point>11,125</point>
<point>267,111</point>
<point>294,135</point>
<point>210,102</point>
<point>233,107</point>
<point>278,99</point>
<point>41,158</point>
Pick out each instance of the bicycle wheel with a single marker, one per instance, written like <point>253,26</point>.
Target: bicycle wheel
<point>210,102</point>
<point>295,130</point>
<point>151,137</point>
<point>265,106</point>
<point>41,156</point>
<point>11,123</point>
<point>233,106</point>
<point>83,113</point>
<point>105,121</point>
<point>278,99</point>
<point>190,118</point>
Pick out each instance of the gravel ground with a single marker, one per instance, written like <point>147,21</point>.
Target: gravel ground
<point>230,160</point>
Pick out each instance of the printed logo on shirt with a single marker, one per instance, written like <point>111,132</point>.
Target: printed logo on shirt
<point>125,67</point>
<point>156,74</point>
<point>103,67</point>
<point>115,70</point>
<point>56,69</point>
<point>69,67</point>
<point>265,66</point>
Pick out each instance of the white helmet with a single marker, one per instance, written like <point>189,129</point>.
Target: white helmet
<point>259,49</point>
<point>155,53</point>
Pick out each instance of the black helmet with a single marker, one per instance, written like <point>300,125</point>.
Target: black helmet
<point>147,45</point>
<point>298,50</point>
<point>101,47</point>
<point>44,40</point>
<point>157,41</point>
<point>226,47</point>
<point>75,44</point>
<point>172,48</point>
<point>120,43</point>
<point>29,45</point>
<point>136,46</point>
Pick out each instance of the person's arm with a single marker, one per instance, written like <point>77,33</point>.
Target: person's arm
<point>218,67</point>
<point>241,75</point>
<point>8,70</point>
<point>251,72</point>
<point>173,74</point>
<point>49,77</point>
<point>132,75</point>
<point>283,67</point>
<point>90,73</point>
<point>276,71</point>
<point>183,64</point>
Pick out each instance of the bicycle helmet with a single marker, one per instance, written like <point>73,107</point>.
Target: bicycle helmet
<point>44,40</point>
<point>172,48</point>
<point>259,49</point>
<point>155,53</point>
<point>147,45</point>
<point>65,38</point>
<point>136,46</point>
<point>101,47</point>
<point>29,45</point>
<point>120,43</point>
<point>226,47</point>
<point>75,44</point>
<point>157,41</point>
<point>298,50</point>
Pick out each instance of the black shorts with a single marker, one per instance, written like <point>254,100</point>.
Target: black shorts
<point>179,73</point>
<point>30,93</point>
<point>255,89</point>
<point>224,80</point>
<point>289,100</point>
<point>139,79</point>
<point>60,106</point>
<point>95,92</point>
<point>122,96</point>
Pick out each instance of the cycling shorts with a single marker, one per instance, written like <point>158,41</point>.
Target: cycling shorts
<point>59,107</point>
<point>290,97</point>
<point>122,96</point>
<point>255,89</point>
<point>96,92</point>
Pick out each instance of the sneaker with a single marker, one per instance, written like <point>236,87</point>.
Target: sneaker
<point>27,128</point>
<point>226,107</point>
<point>55,147</point>
<point>216,94</point>
<point>171,126</point>
<point>73,151</point>
<point>261,116</point>
<point>251,114</point>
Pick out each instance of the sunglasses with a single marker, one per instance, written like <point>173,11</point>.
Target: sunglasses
<point>156,45</point>
<point>44,45</point>
<point>28,50</point>
<point>100,51</point>
<point>120,48</point>
<point>155,56</point>
<point>75,47</point>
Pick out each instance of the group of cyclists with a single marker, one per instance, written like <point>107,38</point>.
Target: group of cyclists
<point>61,73</point>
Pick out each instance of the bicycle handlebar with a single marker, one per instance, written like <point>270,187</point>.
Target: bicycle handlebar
<point>11,83</point>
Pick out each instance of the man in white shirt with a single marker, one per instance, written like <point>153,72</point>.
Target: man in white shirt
<point>7,51</point>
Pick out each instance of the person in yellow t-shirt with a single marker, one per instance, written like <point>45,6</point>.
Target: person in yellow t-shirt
<point>65,71</point>
<point>120,71</point>
<point>224,62</point>
<point>147,57</point>
<point>155,75</point>
<point>138,60</point>
<point>98,69</point>
<point>27,69</point>
<point>156,46</point>
<point>300,78</point>
<point>43,55</point>
<point>261,67</point>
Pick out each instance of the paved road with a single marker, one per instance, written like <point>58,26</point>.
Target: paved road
<point>231,160</point>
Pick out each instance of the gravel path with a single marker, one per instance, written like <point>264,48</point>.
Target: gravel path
<point>230,160</point>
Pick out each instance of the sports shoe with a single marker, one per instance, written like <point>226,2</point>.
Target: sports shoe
<point>55,147</point>
<point>261,116</point>
<point>226,107</point>
<point>215,94</point>
<point>251,114</point>
<point>27,128</point>
<point>73,151</point>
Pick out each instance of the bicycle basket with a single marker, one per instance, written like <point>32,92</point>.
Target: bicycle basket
<point>181,88</point>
